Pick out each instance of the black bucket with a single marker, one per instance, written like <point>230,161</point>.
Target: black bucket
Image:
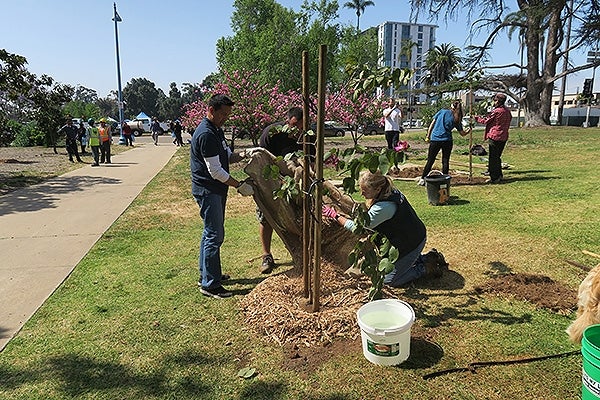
<point>438,189</point>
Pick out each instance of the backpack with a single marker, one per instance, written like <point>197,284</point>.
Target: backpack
<point>478,150</point>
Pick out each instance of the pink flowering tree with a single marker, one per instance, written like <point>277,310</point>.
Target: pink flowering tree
<point>256,104</point>
<point>353,110</point>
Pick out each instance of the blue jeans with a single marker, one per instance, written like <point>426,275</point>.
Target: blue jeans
<point>212,211</point>
<point>408,268</point>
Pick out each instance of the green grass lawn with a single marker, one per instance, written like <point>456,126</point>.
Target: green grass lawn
<point>130,323</point>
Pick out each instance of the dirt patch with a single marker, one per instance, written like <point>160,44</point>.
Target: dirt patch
<point>413,172</point>
<point>306,360</point>
<point>25,166</point>
<point>537,289</point>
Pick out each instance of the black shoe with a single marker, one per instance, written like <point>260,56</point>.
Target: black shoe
<point>494,181</point>
<point>435,264</point>
<point>216,293</point>
<point>95,165</point>
<point>268,264</point>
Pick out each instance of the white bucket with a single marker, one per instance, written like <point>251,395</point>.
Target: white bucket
<point>385,330</point>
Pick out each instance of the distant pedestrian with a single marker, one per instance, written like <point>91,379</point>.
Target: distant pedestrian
<point>93,135</point>
<point>105,141</point>
<point>70,132</point>
<point>82,137</point>
<point>392,116</point>
<point>127,134</point>
<point>497,123</point>
<point>177,129</point>
<point>156,130</point>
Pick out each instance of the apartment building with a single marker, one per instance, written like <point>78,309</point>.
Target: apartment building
<point>391,37</point>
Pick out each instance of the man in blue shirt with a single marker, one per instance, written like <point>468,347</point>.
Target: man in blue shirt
<point>209,163</point>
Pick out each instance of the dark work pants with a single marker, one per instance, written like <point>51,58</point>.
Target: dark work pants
<point>105,152</point>
<point>434,149</point>
<point>96,153</point>
<point>72,149</point>
<point>495,161</point>
<point>392,138</point>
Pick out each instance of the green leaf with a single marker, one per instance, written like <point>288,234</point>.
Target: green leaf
<point>384,164</point>
<point>393,254</point>
<point>386,266</point>
<point>246,373</point>
<point>385,247</point>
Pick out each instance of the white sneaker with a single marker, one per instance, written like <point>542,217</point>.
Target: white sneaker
<point>421,182</point>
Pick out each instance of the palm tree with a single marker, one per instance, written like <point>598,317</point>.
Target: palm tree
<point>406,49</point>
<point>359,6</point>
<point>442,63</point>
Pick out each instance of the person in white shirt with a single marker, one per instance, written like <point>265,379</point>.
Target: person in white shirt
<point>392,116</point>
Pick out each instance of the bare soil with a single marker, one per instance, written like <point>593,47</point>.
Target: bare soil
<point>25,166</point>
<point>536,289</point>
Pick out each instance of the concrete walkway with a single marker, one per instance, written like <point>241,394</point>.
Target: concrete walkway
<point>46,229</point>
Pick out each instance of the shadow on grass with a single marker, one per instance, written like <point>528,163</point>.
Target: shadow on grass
<point>497,268</point>
<point>463,311</point>
<point>423,354</point>
<point>457,201</point>
<point>77,376</point>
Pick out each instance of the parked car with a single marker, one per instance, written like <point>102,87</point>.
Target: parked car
<point>371,129</point>
<point>415,123</point>
<point>332,128</point>
<point>142,125</point>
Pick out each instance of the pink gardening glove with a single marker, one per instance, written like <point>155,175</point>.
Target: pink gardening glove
<point>329,212</point>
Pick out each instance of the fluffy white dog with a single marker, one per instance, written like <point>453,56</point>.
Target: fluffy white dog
<point>588,305</point>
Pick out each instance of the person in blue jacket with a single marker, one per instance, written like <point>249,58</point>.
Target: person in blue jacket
<point>439,136</point>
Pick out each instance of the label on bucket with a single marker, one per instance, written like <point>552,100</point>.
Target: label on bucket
<point>590,384</point>
<point>383,350</point>
<point>444,195</point>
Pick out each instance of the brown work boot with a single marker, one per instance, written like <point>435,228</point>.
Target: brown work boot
<point>268,264</point>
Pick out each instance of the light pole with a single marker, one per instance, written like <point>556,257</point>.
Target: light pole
<point>117,18</point>
<point>592,57</point>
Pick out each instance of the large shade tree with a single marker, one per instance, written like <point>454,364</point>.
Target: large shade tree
<point>140,94</point>
<point>542,25</point>
<point>271,38</point>
<point>26,97</point>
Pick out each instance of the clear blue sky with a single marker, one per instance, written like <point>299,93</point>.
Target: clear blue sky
<point>73,41</point>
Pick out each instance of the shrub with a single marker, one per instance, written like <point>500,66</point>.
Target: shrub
<point>8,131</point>
<point>28,134</point>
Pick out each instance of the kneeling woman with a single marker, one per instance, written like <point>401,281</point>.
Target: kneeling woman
<point>392,215</point>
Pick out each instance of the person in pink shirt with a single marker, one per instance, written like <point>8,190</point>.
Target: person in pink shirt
<point>496,124</point>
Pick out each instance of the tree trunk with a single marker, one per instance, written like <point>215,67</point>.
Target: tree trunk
<point>286,216</point>
<point>540,81</point>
